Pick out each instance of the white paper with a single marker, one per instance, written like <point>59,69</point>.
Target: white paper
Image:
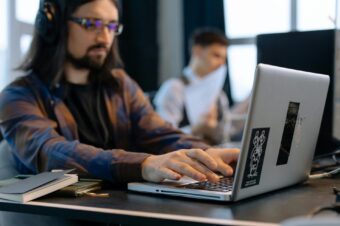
<point>200,96</point>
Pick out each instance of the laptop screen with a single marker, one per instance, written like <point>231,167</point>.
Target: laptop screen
<point>311,51</point>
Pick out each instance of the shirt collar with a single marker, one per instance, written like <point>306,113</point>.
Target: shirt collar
<point>190,75</point>
<point>194,78</point>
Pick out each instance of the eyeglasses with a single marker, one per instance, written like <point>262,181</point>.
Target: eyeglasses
<point>92,24</point>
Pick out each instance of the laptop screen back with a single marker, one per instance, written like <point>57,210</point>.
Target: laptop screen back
<point>281,130</point>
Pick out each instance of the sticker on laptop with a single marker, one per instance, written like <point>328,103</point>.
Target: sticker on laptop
<point>288,133</point>
<point>256,152</point>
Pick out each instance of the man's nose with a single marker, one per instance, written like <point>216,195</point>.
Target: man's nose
<point>104,35</point>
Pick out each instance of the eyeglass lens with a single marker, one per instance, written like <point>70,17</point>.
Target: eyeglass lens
<point>98,24</point>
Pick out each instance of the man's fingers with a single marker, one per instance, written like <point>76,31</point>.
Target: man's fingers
<point>187,170</point>
<point>210,175</point>
<point>225,169</point>
<point>231,156</point>
<point>166,173</point>
<point>202,157</point>
<point>195,163</point>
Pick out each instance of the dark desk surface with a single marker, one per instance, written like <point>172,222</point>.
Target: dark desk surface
<point>133,208</point>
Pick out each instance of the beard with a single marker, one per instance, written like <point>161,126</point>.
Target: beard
<point>87,62</point>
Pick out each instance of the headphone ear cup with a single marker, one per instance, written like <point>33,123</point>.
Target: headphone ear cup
<point>41,23</point>
<point>46,22</point>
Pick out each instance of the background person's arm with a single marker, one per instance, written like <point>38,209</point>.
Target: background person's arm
<point>215,125</point>
<point>169,101</point>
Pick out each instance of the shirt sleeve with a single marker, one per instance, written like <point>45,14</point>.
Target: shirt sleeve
<point>169,101</point>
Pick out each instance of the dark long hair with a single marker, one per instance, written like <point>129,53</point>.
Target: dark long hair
<point>47,59</point>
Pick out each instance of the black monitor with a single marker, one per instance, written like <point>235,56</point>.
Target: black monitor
<point>311,51</point>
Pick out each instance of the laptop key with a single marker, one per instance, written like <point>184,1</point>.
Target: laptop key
<point>223,185</point>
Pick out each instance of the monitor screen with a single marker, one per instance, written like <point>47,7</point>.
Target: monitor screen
<point>311,51</point>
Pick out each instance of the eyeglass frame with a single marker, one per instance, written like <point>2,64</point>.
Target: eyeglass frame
<point>83,22</point>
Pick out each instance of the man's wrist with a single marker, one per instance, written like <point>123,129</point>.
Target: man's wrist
<point>130,171</point>
<point>144,173</point>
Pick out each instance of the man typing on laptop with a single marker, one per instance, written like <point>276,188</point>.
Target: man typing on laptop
<point>75,108</point>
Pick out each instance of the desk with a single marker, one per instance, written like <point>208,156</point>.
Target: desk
<point>137,209</point>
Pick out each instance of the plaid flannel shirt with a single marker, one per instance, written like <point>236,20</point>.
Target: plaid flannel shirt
<point>42,132</point>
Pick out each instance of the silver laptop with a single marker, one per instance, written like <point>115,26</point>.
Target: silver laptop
<point>278,142</point>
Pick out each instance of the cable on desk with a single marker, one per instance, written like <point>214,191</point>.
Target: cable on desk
<point>326,174</point>
<point>334,208</point>
<point>326,161</point>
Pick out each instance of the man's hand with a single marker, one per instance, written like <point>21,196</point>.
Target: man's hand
<point>225,159</point>
<point>195,163</point>
<point>207,121</point>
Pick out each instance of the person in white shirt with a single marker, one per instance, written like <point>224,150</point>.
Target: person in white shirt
<point>195,101</point>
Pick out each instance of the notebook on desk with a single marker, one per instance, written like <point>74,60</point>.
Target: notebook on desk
<point>279,138</point>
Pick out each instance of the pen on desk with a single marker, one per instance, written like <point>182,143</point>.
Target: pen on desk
<point>100,195</point>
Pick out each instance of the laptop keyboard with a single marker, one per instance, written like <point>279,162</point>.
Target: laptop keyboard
<point>225,184</point>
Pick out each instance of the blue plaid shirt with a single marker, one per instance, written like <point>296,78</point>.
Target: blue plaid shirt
<point>42,132</point>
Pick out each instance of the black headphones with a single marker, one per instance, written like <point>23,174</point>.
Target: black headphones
<point>48,17</point>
